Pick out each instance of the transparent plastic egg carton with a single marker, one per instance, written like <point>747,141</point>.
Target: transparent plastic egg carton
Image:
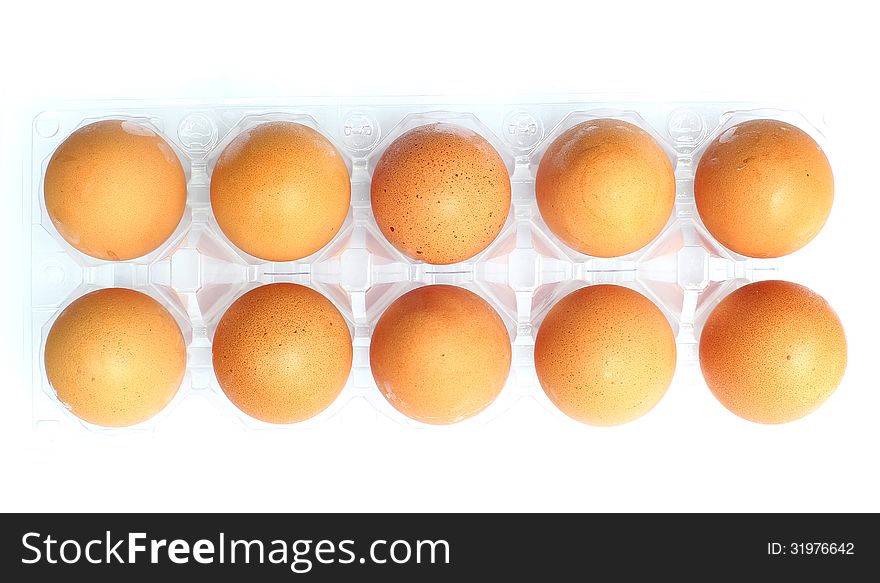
<point>198,273</point>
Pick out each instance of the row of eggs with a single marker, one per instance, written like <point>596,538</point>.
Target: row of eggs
<point>771,352</point>
<point>440,193</point>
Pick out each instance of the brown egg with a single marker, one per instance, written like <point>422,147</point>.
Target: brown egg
<point>115,357</point>
<point>605,355</point>
<point>440,193</point>
<point>282,353</point>
<point>764,188</point>
<point>280,191</point>
<point>115,190</point>
<point>605,187</point>
<point>440,354</point>
<point>772,351</point>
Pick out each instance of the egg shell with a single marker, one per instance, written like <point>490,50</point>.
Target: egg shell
<point>115,357</point>
<point>440,354</point>
<point>773,351</point>
<point>605,355</point>
<point>440,193</point>
<point>280,191</point>
<point>115,190</point>
<point>764,188</point>
<point>282,353</point>
<point>605,187</point>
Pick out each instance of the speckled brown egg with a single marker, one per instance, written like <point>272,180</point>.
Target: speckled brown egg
<point>280,191</point>
<point>605,187</point>
<point>764,188</point>
<point>440,193</point>
<point>440,354</point>
<point>772,351</point>
<point>282,353</point>
<point>115,357</point>
<point>605,355</point>
<point>115,190</point>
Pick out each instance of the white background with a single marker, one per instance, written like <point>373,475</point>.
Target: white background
<point>688,454</point>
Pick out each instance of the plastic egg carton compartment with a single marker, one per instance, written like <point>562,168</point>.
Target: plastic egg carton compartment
<point>198,273</point>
